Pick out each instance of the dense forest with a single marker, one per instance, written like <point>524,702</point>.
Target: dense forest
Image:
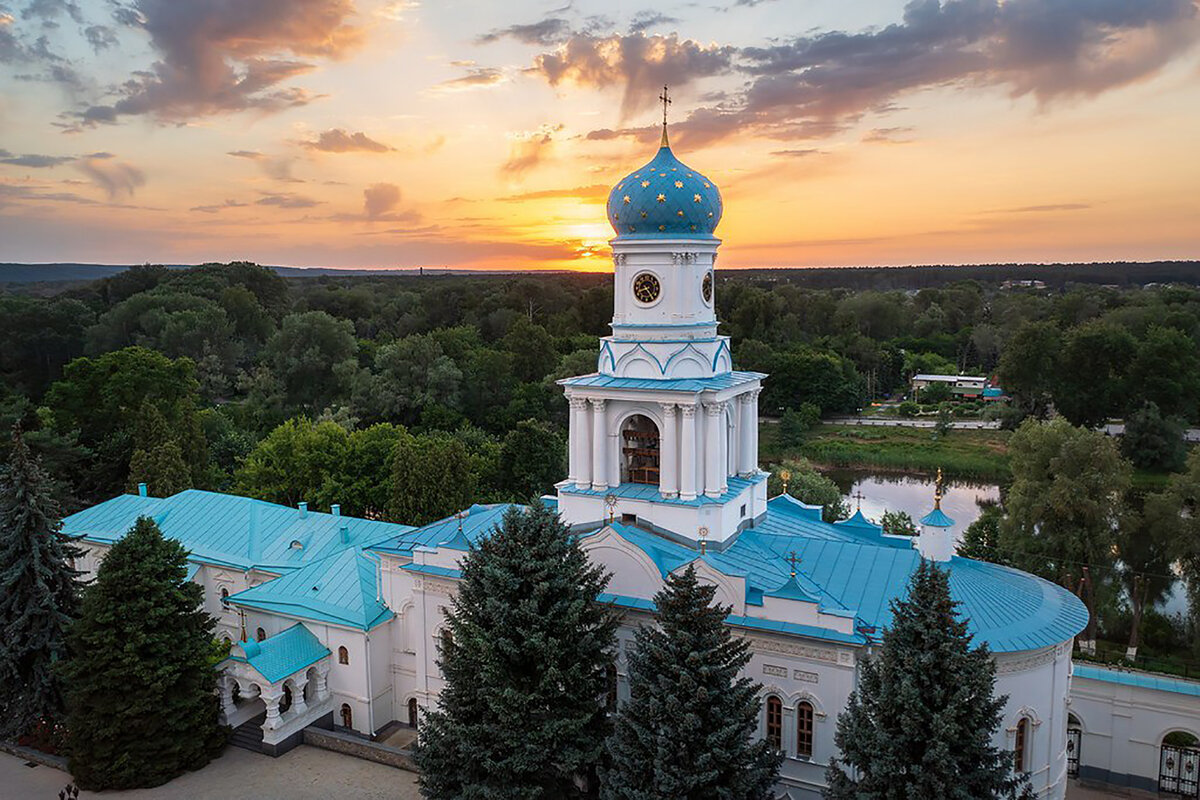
<point>233,377</point>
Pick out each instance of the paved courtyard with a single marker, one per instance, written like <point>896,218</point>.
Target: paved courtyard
<point>305,773</point>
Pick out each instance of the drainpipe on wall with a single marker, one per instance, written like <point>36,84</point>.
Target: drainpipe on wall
<point>370,694</point>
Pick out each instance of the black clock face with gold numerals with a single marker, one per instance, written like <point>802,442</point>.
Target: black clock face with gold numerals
<point>646,288</point>
<point>706,287</point>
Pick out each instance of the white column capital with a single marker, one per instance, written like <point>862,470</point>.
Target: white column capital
<point>668,409</point>
<point>597,403</point>
<point>689,410</point>
<point>713,409</point>
<point>578,403</point>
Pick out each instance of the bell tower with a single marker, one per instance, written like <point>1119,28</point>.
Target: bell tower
<point>665,434</point>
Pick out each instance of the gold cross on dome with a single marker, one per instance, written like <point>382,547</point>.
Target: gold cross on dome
<point>794,559</point>
<point>859,496</point>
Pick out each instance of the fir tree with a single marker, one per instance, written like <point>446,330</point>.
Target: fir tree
<point>921,721</point>
<point>38,596</point>
<point>141,686</point>
<point>688,728</point>
<point>524,655</point>
<point>157,459</point>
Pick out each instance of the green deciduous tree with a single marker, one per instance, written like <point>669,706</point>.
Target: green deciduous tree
<point>898,523</point>
<point>1152,441</point>
<point>1093,373</point>
<point>431,478</point>
<point>313,355</point>
<point>531,460</point>
<point>1166,371</point>
<point>157,458</point>
<point>1147,544</point>
<point>38,596</point>
<point>921,721</point>
<point>294,462</point>
<point>981,539</point>
<point>1067,494</point>
<point>797,422</point>
<point>1028,368</point>
<point>524,655</point>
<point>809,486</point>
<point>688,728</point>
<point>141,683</point>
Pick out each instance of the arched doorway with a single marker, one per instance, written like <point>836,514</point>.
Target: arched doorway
<point>1179,764</point>
<point>347,716</point>
<point>1074,742</point>
<point>412,712</point>
<point>286,701</point>
<point>639,450</point>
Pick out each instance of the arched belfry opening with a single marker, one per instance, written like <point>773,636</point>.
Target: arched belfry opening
<point>639,450</point>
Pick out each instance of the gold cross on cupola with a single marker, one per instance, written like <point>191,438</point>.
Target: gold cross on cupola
<point>666,101</point>
<point>794,560</point>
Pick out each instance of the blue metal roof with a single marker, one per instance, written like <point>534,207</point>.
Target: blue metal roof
<point>664,198</point>
<point>851,569</point>
<point>475,522</point>
<point>232,531</point>
<point>342,589</point>
<point>937,519</point>
<point>283,654</point>
<point>646,491</point>
<point>725,380</point>
<point>1141,680</point>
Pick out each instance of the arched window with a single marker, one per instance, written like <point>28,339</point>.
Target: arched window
<point>1020,744</point>
<point>224,597</point>
<point>804,730</point>
<point>261,634</point>
<point>775,722</point>
<point>343,655</point>
<point>347,716</point>
<point>447,641</point>
<point>639,448</point>
<point>286,702</point>
<point>412,712</point>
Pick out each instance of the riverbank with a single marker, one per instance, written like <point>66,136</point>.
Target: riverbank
<point>980,455</point>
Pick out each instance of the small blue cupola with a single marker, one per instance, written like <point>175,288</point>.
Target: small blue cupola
<point>936,541</point>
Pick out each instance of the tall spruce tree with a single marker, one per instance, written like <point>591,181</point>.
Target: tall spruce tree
<point>921,721</point>
<point>39,596</point>
<point>141,685</point>
<point>157,458</point>
<point>688,728</point>
<point>524,655</point>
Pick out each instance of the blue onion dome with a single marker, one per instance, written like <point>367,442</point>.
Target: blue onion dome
<point>665,199</point>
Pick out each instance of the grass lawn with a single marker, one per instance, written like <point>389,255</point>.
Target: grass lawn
<point>981,455</point>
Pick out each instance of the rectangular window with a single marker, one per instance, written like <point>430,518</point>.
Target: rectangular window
<point>743,509</point>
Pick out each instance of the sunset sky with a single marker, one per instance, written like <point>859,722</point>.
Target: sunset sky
<point>359,133</point>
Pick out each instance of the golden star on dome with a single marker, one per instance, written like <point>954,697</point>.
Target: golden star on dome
<point>662,227</point>
<point>662,198</point>
<point>643,215</point>
<point>707,185</point>
<point>626,198</point>
<point>662,174</point>
<point>696,197</point>
<point>678,184</point>
<point>680,213</point>
<point>710,213</point>
<point>645,184</point>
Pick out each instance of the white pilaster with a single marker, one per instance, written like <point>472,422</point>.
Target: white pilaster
<point>599,445</point>
<point>299,706</point>
<point>753,433</point>
<point>734,439</point>
<point>668,455</point>
<point>687,454</point>
<point>581,443</point>
<point>714,470</point>
<point>572,440</point>
<point>723,438</point>
<point>748,428</point>
<point>271,698</point>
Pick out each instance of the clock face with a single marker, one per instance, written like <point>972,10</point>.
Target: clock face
<point>706,287</point>
<point>646,288</point>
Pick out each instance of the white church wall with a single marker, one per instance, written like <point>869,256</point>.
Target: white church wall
<point>1037,683</point>
<point>1123,728</point>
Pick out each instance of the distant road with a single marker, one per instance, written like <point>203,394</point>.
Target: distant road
<point>898,422</point>
<point>1112,429</point>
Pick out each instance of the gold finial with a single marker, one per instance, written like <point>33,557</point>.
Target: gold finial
<point>794,559</point>
<point>785,476</point>
<point>666,101</point>
<point>703,540</point>
<point>937,492</point>
<point>611,501</point>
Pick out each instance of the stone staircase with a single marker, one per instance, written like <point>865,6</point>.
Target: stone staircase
<point>249,734</point>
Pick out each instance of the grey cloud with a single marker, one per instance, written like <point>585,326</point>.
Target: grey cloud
<point>51,9</point>
<point>637,63</point>
<point>100,37</point>
<point>275,167</point>
<point>337,140</point>
<point>114,177</point>
<point>529,150</point>
<point>380,198</point>
<point>286,200</point>
<point>218,56</point>
<point>33,160</point>
<point>219,207</point>
<point>643,20</point>
<point>546,32</point>
<point>476,78</point>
